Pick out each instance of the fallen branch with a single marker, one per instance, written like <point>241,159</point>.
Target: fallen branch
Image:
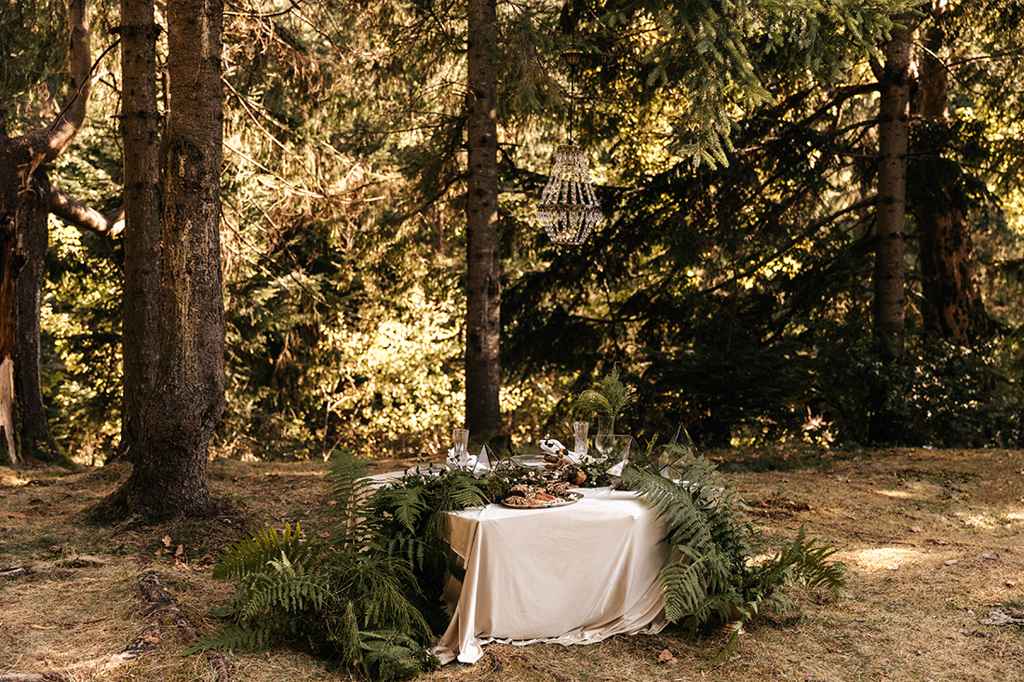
<point>14,571</point>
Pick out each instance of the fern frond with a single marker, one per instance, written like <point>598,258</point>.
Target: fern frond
<point>591,402</point>
<point>608,396</point>
<point>351,492</point>
<point>390,655</point>
<point>235,637</point>
<point>252,554</point>
<point>809,561</point>
<point>407,504</point>
<point>345,635</point>
<point>384,584</point>
<point>682,582</point>
<point>280,592</point>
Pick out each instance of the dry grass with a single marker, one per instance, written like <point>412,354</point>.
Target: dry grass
<point>933,539</point>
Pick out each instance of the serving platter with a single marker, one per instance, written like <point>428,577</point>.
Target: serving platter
<point>530,461</point>
<point>570,498</point>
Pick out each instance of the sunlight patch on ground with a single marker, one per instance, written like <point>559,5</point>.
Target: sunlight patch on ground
<point>10,478</point>
<point>981,520</point>
<point>898,494</point>
<point>884,558</point>
<point>912,490</point>
<point>1015,516</point>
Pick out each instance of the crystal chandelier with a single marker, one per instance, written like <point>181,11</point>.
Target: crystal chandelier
<point>569,209</point>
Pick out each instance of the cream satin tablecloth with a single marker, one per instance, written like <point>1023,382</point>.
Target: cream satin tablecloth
<point>570,575</point>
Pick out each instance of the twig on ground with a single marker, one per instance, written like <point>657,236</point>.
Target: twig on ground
<point>14,571</point>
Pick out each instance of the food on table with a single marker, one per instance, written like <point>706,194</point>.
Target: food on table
<point>526,496</point>
<point>560,489</point>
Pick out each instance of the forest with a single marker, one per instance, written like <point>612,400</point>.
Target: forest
<point>253,252</point>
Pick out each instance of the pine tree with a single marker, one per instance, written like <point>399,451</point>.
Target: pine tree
<point>180,410</point>
<point>483,279</point>
<point>27,197</point>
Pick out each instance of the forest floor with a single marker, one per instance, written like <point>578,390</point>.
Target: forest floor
<point>933,540</point>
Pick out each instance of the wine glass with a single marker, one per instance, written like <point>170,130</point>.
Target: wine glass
<point>604,443</point>
<point>618,447</point>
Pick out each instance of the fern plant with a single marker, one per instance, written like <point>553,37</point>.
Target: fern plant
<point>608,397</point>
<point>710,581</point>
<point>350,600</point>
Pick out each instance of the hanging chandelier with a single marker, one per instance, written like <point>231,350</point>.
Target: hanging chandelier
<point>569,209</point>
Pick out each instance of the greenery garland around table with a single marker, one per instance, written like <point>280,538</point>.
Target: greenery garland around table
<point>368,599</point>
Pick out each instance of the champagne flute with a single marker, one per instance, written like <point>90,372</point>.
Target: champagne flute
<point>460,438</point>
<point>579,432</point>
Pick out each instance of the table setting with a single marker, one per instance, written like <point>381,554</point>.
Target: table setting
<point>559,507</point>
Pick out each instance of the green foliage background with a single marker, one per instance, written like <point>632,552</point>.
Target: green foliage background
<point>731,282</point>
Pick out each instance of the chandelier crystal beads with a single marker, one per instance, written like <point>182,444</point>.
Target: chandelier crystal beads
<point>569,209</point>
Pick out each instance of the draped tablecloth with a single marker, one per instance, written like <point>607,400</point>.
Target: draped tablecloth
<point>568,575</point>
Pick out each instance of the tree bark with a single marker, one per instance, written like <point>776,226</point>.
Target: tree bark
<point>33,241</point>
<point>10,156</point>
<point>953,308</point>
<point>483,281</point>
<point>177,418</point>
<point>143,205</point>
<point>888,308</point>
<point>24,205</point>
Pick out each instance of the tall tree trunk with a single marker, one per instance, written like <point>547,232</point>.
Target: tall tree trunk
<point>888,308</point>
<point>142,202</point>
<point>10,159</point>
<point>33,241</point>
<point>178,417</point>
<point>483,281</point>
<point>24,204</point>
<point>953,308</point>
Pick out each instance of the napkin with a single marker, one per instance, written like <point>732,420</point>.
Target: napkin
<point>553,447</point>
<point>478,465</point>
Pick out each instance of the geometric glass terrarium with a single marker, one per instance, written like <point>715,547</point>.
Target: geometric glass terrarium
<point>675,456</point>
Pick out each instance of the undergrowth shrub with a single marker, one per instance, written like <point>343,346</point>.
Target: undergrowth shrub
<point>937,394</point>
<point>349,600</point>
